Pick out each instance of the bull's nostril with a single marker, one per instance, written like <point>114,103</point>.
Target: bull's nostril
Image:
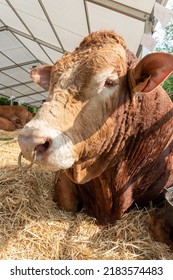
<point>42,147</point>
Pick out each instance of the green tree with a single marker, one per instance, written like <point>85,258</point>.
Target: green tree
<point>166,45</point>
<point>4,101</point>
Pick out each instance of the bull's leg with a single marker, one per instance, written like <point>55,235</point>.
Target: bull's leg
<point>102,203</point>
<point>66,193</point>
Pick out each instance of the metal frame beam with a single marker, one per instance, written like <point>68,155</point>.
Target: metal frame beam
<point>39,41</point>
<point>24,24</point>
<point>3,28</point>
<point>162,2</point>
<point>87,15</point>
<point>16,85</point>
<point>30,94</point>
<point>17,64</point>
<point>121,8</point>
<point>51,24</point>
<point>22,96</point>
<point>150,24</point>
<point>6,28</point>
<point>32,104</point>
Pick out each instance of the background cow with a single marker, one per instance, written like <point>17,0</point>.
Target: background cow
<point>13,117</point>
<point>7,125</point>
<point>107,127</point>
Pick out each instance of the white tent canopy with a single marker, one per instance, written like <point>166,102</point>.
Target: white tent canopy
<point>36,32</point>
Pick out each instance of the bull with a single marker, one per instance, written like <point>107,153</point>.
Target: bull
<point>106,127</point>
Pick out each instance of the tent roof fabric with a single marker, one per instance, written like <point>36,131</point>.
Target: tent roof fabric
<point>38,32</point>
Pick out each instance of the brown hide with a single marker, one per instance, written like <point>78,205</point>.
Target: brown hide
<point>120,122</point>
<point>137,173</point>
<point>16,116</point>
<point>7,125</point>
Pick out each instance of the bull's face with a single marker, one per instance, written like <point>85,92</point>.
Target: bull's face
<point>73,124</point>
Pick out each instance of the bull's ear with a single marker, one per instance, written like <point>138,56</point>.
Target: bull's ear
<point>41,76</point>
<point>151,71</point>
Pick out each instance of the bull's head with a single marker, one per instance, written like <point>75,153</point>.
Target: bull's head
<point>90,91</point>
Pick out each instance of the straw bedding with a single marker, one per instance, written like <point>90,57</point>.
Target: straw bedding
<point>32,227</point>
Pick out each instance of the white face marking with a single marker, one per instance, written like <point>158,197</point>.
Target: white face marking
<point>60,154</point>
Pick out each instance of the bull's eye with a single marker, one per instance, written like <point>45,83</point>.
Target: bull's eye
<point>110,82</point>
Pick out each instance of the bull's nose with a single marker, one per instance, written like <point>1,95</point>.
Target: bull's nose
<point>46,146</point>
<point>30,144</point>
<point>43,147</point>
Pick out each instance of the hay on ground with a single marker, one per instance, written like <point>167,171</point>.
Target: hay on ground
<point>32,227</point>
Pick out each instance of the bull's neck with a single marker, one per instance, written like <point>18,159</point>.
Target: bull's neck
<point>125,123</point>
<point>119,130</point>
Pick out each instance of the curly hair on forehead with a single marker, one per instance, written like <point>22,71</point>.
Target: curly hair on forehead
<point>99,38</point>
<point>102,37</point>
<point>95,40</point>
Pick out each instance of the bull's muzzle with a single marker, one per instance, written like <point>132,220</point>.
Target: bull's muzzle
<point>32,147</point>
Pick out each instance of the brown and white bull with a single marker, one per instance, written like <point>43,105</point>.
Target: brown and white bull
<point>106,127</point>
<point>13,117</point>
